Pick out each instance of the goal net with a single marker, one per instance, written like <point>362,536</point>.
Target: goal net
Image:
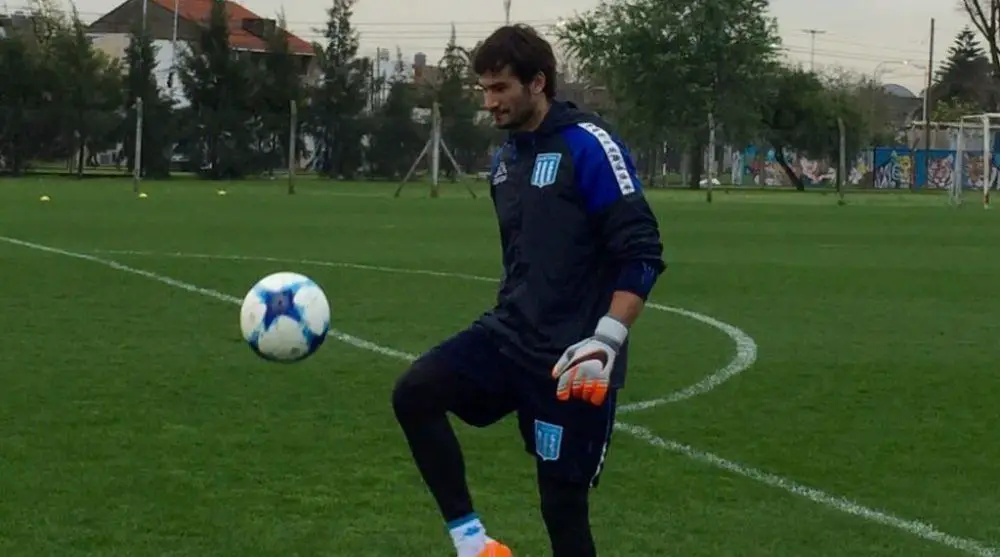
<point>977,156</point>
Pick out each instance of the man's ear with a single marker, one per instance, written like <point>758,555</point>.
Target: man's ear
<point>538,84</point>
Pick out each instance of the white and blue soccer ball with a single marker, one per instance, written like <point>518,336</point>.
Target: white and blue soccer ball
<point>285,317</point>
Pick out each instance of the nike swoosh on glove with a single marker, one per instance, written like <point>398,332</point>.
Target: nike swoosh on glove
<point>584,370</point>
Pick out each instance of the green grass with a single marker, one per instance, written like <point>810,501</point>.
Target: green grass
<point>133,420</point>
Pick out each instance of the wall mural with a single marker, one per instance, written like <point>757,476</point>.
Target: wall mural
<point>760,167</point>
<point>903,168</point>
<point>881,168</point>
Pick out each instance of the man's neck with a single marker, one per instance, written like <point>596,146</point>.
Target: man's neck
<point>536,120</point>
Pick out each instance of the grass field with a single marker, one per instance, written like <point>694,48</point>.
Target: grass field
<point>134,421</point>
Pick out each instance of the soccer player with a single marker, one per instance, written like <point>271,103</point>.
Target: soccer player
<point>581,251</point>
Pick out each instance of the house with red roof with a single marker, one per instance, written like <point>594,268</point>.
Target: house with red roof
<point>183,20</point>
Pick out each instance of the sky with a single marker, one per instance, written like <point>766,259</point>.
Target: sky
<point>887,37</point>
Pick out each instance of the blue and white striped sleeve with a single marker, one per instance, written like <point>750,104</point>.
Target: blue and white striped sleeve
<point>605,176</point>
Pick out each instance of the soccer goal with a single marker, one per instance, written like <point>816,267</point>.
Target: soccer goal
<point>977,154</point>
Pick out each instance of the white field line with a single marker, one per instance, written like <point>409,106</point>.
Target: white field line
<point>915,528</point>
<point>746,348</point>
<point>746,355</point>
<point>349,339</point>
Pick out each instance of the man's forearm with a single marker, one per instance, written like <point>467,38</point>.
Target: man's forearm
<point>626,307</point>
<point>635,281</point>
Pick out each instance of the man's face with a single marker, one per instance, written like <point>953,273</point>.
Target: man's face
<point>511,102</point>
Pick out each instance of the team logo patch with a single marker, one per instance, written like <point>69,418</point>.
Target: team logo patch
<point>546,169</point>
<point>548,440</point>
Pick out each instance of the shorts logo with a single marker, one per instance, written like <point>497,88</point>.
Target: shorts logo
<point>546,169</point>
<point>548,440</point>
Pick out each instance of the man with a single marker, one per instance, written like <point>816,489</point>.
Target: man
<point>581,252</point>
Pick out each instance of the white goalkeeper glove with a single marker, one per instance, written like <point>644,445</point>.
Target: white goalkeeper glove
<point>584,370</point>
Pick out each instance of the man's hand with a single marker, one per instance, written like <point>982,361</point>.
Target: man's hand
<point>584,370</point>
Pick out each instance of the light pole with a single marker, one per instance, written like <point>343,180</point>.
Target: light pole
<point>137,156</point>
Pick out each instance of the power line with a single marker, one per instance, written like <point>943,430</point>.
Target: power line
<point>424,35</point>
<point>868,45</point>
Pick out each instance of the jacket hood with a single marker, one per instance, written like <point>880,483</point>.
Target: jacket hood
<point>562,114</point>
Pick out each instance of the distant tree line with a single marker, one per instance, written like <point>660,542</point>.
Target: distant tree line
<point>673,66</point>
<point>70,101</point>
<point>669,68</point>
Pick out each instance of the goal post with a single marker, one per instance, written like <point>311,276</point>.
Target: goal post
<point>976,146</point>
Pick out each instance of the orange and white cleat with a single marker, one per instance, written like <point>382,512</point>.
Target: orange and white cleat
<point>496,549</point>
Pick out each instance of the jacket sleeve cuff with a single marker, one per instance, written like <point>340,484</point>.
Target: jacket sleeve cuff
<point>638,277</point>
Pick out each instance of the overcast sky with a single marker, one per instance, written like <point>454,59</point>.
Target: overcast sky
<point>859,34</point>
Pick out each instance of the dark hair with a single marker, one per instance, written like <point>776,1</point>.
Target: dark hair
<point>524,50</point>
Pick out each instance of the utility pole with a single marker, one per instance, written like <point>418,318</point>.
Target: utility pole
<point>377,79</point>
<point>927,104</point>
<point>812,46</point>
<point>139,111</point>
<point>506,11</point>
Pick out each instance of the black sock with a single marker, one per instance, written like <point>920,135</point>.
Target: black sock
<point>566,512</point>
<point>420,401</point>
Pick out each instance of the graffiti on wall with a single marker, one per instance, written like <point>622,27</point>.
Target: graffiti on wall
<point>881,168</point>
<point>904,168</point>
<point>893,169</point>
<point>940,170</point>
<point>973,175</point>
<point>762,169</point>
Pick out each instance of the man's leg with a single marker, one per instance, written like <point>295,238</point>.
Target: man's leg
<point>570,442</point>
<point>462,376</point>
<point>566,512</point>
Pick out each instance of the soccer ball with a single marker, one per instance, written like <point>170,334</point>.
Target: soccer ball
<point>285,317</point>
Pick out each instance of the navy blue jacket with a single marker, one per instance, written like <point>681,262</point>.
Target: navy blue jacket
<point>574,228</point>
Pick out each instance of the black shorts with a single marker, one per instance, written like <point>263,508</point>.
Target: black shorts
<point>569,439</point>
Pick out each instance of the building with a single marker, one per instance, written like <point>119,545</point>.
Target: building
<point>902,105</point>
<point>17,22</point>
<point>423,74</point>
<point>248,32</point>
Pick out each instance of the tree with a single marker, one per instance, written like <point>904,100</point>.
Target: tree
<point>279,84</point>
<point>964,78</point>
<point>46,125</point>
<point>20,102</point>
<point>805,115</point>
<point>458,108</point>
<point>335,118</point>
<point>985,17</point>
<point>669,64</point>
<point>953,110</point>
<point>158,127</point>
<point>397,138</point>
<point>63,99</point>
<point>869,102</point>
<point>90,94</point>
<point>217,82</point>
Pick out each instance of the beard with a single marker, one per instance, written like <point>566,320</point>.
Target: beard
<point>520,113</point>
